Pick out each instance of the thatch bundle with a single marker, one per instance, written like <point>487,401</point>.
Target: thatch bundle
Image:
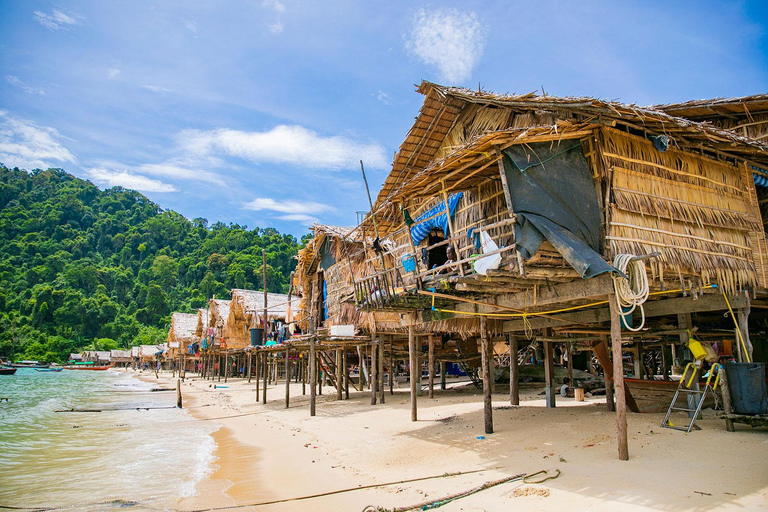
<point>246,309</point>
<point>182,332</point>
<point>697,212</point>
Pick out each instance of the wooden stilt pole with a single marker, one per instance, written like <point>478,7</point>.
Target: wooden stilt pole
<point>226,366</point>
<point>514,373</point>
<point>727,405</point>
<point>412,371</point>
<point>178,393</point>
<point>339,375</point>
<point>345,370</point>
<point>374,371</point>
<point>618,379</point>
<point>549,372</point>
<point>258,375</point>
<point>303,375</point>
<point>380,387</point>
<point>485,356</point>
<point>287,377</point>
<point>431,363</point>
<point>391,369</point>
<point>266,377</point>
<point>250,364</point>
<point>362,367</point>
<point>442,375</point>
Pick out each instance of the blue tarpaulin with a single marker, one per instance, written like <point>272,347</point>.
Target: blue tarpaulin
<point>760,180</point>
<point>423,224</point>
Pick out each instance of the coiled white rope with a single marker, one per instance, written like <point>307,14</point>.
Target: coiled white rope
<point>633,292</point>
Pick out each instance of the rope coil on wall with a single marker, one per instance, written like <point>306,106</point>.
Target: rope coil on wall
<point>631,291</point>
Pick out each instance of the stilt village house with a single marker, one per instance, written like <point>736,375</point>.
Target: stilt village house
<point>510,222</point>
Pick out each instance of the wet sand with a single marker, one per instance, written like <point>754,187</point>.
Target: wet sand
<point>267,453</point>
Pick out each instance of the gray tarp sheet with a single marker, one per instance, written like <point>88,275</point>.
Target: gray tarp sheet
<point>554,197</point>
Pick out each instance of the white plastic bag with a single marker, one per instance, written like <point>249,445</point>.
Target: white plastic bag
<point>486,263</point>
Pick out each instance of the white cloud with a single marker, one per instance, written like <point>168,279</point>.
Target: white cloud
<point>113,73</point>
<point>16,82</point>
<point>293,145</point>
<point>448,39</point>
<point>276,28</point>
<point>288,206</point>
<point>55,21</point>
<point>122,178</point>
<point>190,23</point>
<point>173,170</point>
<point>383,97</point>
<point>307,220</point>
<point>27,145</point>
<point>155,88</point>
<point>275,5</point>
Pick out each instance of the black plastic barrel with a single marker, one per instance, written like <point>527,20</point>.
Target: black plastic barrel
<point>257,337</point>
<point>747,384</point>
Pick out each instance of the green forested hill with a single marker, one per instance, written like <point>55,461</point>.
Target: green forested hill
<point>80,266</point>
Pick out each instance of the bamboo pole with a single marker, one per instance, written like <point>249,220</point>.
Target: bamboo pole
<point>618,379</point>
<point>412,370</point>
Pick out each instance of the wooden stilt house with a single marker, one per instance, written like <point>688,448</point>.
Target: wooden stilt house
<point>513,218</point>
<point>247,311</point>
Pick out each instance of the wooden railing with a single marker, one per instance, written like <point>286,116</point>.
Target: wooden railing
<point>379,290</point>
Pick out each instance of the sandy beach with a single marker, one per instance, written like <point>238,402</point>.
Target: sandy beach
<point>268,453</point>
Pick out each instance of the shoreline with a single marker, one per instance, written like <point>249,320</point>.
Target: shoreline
<point>268,452</point>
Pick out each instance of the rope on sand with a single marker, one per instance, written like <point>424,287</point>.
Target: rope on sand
<point>428,505</point>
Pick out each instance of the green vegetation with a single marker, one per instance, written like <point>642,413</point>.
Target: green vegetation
<point>104,269</point>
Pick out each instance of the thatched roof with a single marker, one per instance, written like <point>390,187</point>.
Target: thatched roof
<point>116,355</point>
<point>458,130</point>
<point>703,110</point>
<point>253,301</point>
<point>219,311</point>
<point>183,327</point>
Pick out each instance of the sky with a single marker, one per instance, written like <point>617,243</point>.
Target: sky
<point>258,112</point>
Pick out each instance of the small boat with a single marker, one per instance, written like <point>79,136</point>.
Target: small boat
<point>29,364</point>
<point>7,371</point>
<point>87,367</point>
<point>58,369</point>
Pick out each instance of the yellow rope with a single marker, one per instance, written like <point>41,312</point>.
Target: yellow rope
<point>524,315</point>
<point>738,330</point>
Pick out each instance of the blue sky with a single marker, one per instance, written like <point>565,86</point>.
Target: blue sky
<point>258,112</point>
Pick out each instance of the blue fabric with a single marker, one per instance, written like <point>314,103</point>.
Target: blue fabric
<point>422,227</point>
<point>760,180</point>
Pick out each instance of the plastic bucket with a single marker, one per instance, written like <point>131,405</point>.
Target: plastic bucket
<point>257,337</point>
<point>747,384</point>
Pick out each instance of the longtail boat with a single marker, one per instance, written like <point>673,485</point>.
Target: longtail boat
<point>7,371</point>
<point>57,369</point>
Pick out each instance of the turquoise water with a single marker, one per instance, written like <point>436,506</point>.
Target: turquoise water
<point>96,461</point>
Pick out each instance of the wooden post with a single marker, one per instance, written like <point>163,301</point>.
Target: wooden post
<point>412,371</point>
<point>549,372</point>
<point>442,375</point>
<point>226,365</point>
<point>485,356</point>
<point>339,375</point>
<point>264,280</point>
<point>303,374</point>
<point>345,369</point>
<point>258,375</point>
<point>391,369</point>
<point>374,371</point>
<point>514,372</point>
<point>312,374</point>
<point>362,367</point>
<point>178,393</point>
<point>250,362</point>
<point>637,360</point>
<point>618,379</point>
<point>287,377</point>
<point>727,405</point>
<point>568,348</point>
<point>266,376</point>
<point>380,387</point>
<point>419,366</point>
<point>432,366</point>
<point>743,317</point>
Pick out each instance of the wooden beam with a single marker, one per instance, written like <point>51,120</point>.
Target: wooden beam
<point>485,354</point>
<point>618,379</point>
<point>412,371</point>
<point>663,307</point>
<point>601,353</point>
<point>514,374</point>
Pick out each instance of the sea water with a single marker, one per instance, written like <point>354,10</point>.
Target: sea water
<point>139,452</point>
